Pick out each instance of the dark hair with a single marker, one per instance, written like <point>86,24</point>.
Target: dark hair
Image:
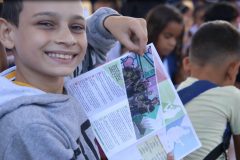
<point>221,11</point>
<point>182,7</point>
<point>214,43</point>
<point>11,10</point>
<point>114,4</point>
<point>199,8</point>
<point>158,18</point>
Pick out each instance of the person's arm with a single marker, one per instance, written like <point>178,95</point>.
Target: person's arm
<point>106,24</point>
<point>3,59</point>
<point>130,32</point>
<point>97,35</point>
<point>100,41</point>
<point>104,27</point>
<point>236,140</point>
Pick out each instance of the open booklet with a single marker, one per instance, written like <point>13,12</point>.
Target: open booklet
<point>134,109</point>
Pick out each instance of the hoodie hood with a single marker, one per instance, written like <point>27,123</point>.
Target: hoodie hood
<point>11,95</point>
<point>10,91</point>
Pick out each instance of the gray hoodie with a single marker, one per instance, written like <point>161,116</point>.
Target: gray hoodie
<point>39,125</point>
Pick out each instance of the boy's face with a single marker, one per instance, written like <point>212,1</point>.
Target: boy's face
<point>50,39</point>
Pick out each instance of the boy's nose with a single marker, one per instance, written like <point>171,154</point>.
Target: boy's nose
<point>65,37</point>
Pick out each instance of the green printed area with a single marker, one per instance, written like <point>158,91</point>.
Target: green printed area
<point>114,69</point>
<point>147,66</point>
<point>153,114</point>
<point>166,92</point>
<point>172,112</point>
<point>149,73</point>
<point>137,119</point>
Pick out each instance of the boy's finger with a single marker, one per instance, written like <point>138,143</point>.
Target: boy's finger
<point>133,43</point>
<point>142,45</point>
<point>140,36</point>
<point>128,42</point>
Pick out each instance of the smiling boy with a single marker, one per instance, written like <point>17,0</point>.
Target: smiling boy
<point>37,121</point>
<point>56,47</point>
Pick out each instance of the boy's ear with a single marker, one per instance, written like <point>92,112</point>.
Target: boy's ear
<point>6,34</point>
<point>186,65</point>
<point>232,72</point>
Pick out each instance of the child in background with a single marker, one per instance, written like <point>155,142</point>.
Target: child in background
<point>214,56</point>
<point>222,11</point>
<point>114,4</point>
<point>229,12</point>
<point>198,18</point>
<point>217,11</point>
<point>165,30</point>
<point>48,39</point>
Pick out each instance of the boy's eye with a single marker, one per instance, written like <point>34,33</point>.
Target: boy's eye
<point>46,24</point>
<point>77,28</point>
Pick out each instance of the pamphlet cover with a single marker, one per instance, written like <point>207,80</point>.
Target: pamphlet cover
<point>134,109</point>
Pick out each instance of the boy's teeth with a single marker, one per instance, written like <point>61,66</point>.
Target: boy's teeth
<point>62,56</point>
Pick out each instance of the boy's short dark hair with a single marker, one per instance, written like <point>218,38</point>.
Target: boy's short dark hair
<point>214,42</point>
<point>221,11</point>
<point>11,10</point>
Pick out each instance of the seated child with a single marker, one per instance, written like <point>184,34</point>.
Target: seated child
<point>214,56</point>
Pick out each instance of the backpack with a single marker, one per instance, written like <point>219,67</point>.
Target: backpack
<point>186,95</point>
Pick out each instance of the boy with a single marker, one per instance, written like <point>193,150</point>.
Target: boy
<point>229,12</point>
<point>37,121</point>
<point>214,56</point>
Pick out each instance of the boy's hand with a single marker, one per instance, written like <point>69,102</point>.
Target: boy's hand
<point>129,31</point>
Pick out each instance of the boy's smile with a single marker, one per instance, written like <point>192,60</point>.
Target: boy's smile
<point>62,56</point>
<point>50,40</point>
